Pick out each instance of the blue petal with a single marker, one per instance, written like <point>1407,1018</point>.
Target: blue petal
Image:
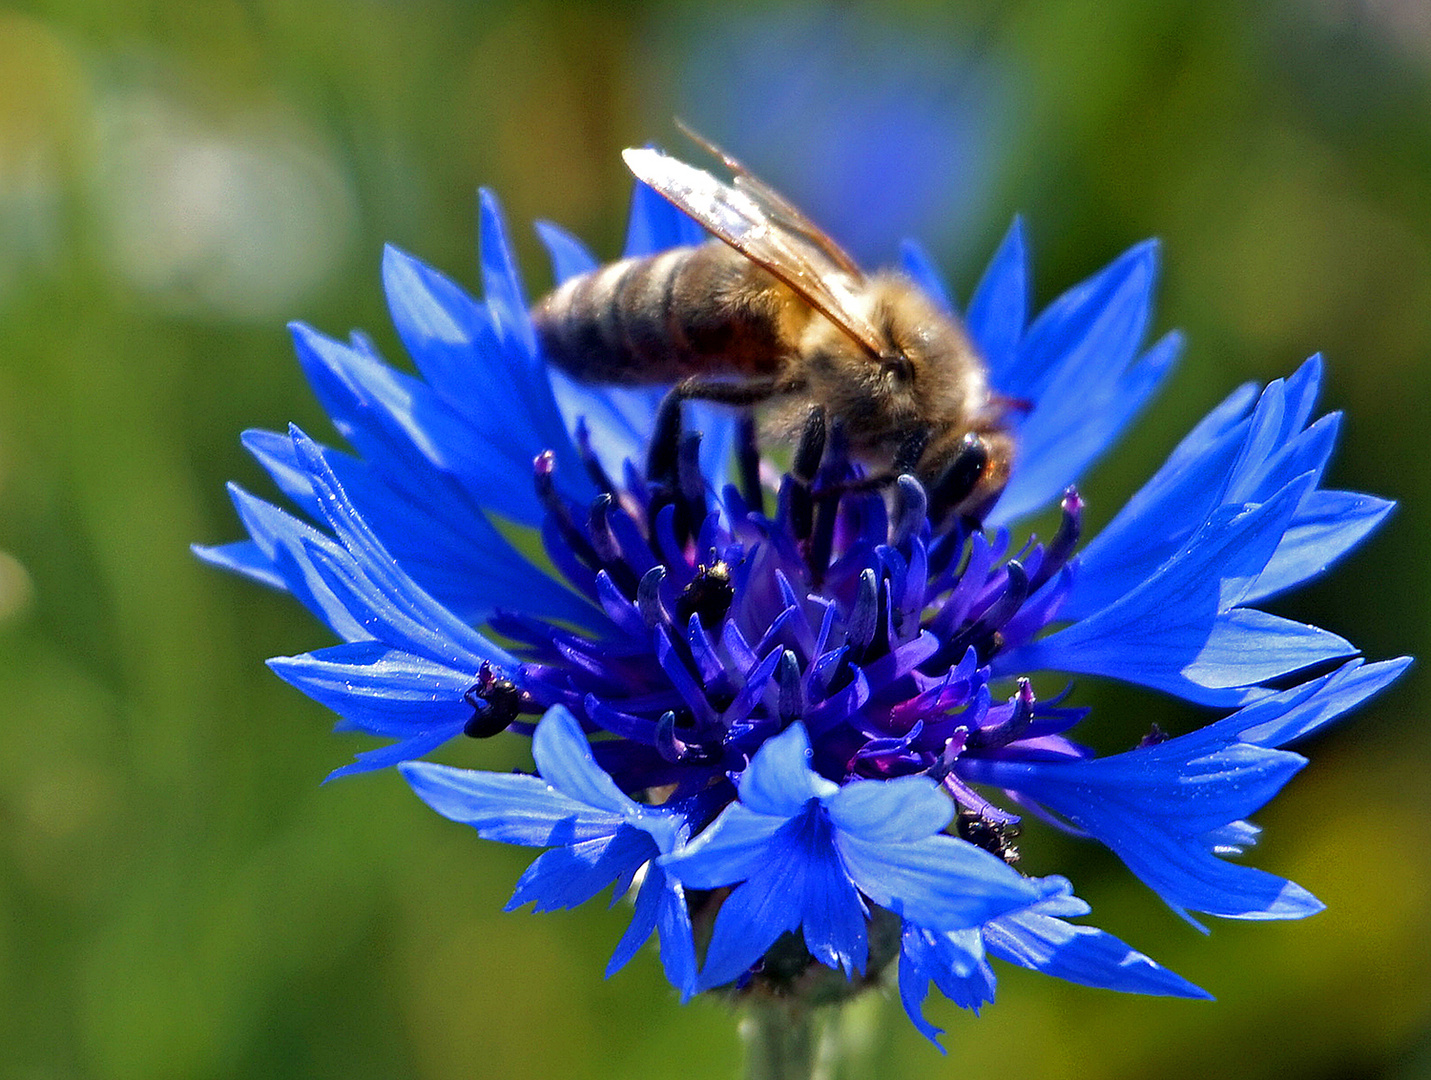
<point>242,557</point>
<point>1273,723</point>
<point>424,742</point>
<point>380,690</point>
<point>1179,631</point>
<point>954,961</point>
<point>404,431</point>
<point>730,849</point>
<point>891,811</point>
<point>1095,326</point>
<point>502,289</point>
<point>939,882</point>
<point>1081,954</point>
<point>570,257</point>
<point>570,875</point>
<point>655,225</point>
<point>779,780</point>
<point>457,347</point>
<point>999,308</point>
<point>1327,525</point>
<point>509,807</point>
<point>286,542</point>
<point>801,882</point>
<point>916,262</point>
<point>365,575</point>
<point>563,757</point>
<point>1231,458</point>
<point>618,418</point>
<point>1155,807</point>
<point>1160,517</point>
<point>661,903</point>
<point>435,533</point>
<point>1076,420</point>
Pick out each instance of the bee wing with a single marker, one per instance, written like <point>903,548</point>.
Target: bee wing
<point>766,234</point>
<point>776,205</point>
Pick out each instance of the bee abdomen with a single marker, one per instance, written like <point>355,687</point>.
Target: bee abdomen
<point>683,312</point>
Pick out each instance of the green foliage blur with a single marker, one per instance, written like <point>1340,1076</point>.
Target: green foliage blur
<point>178,896</point>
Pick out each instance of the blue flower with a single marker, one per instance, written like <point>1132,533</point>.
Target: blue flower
<point>796,725</point>
<point>599,837</point>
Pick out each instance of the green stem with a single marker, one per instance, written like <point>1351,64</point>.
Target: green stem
<point>780,1042</point>
<point>790,1041</point>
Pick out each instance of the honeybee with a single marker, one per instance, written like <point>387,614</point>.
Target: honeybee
<point>772,310</point>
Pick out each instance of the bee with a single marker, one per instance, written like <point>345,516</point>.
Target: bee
<point>771,311</point>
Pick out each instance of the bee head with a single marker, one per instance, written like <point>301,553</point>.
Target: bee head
<point>896,368</point>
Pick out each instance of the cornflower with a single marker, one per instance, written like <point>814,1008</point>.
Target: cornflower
<point>801,724</point>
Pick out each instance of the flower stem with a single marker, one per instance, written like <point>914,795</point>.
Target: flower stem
<point>780,1041</point>
<point>793,1041</point>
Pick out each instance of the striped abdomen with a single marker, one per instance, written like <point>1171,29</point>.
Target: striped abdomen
<point>687,311</point>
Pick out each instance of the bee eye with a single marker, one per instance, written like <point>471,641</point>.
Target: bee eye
<point>898,365</point>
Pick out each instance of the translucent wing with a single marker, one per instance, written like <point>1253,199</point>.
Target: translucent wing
<point>780,208</point>
<point>767,230</point>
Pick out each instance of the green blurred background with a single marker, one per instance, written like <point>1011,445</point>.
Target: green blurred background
<point>179,897</point>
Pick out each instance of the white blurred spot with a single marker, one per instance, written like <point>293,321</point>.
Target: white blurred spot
<point>236,223</point>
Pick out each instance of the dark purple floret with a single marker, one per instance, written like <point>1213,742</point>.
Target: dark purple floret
<point>843,611</point>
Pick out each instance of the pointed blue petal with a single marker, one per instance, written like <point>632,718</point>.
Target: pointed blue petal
<point>403,430</point>
<point>570,875</point>
<point>999,308</point>
<point>509,807</point>
<point>1247,647</point>
<point>1336,694</point>
<point>661,904</point>
<point>1179,631</point>
<point>380,690</point>
<point>1303,387</point>
<point>779,780</point>
<point>242,557</point>
<point>915,261</point>
<point>1152,526</point>
<point>502,285</point>
<point>891,811</point>
<point>447,546</point>
<point>286,542</point>
<point>563,757</point>
<point>424,742</point>
<point>1327,525</point>
<point>655,225</point>
<point>953,961</point>
<point>730,849</point>
<point>939,882</point>
<point>801,881</point>
<point>1156,808</point>
<point>1081,954</point>
<point>570,257</point>
<point>1094,326</point>
<point>417,621</point>
<point>1075,422</point>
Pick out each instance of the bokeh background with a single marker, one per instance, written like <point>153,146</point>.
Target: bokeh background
<point>178,896</point>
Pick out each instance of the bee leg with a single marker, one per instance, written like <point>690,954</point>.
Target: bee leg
<point>959,479</point>
<point>808,452</point>
<point>729,392</point>
<point>910,451</point>
<point>664,452</point>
